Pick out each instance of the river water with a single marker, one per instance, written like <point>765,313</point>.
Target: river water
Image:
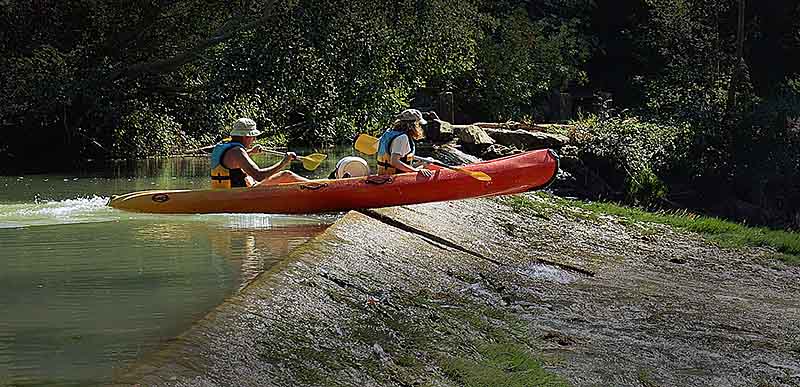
<point>85,289</point>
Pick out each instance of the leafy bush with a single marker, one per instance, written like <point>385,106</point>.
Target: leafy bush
<point>637,153</point>
<point>146,131</point>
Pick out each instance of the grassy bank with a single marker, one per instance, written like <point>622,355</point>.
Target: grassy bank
<point>725,233</point>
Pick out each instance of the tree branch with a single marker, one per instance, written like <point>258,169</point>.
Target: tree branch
<point>228,30</point>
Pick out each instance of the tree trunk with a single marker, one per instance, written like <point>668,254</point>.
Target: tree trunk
<point>739,60</point>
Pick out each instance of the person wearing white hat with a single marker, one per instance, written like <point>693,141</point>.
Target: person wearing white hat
<point>396,147</point>
<point>232,167</point>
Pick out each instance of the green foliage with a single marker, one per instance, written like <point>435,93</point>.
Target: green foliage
<point>80,73</point>
<point>520,60</point>
<point>691,58</point>
<point>97,76</point>
<point>637,150</point>
<point>147,131</point>
<point>768,141</point>
<point>344,67</point>
<point>692,47</point>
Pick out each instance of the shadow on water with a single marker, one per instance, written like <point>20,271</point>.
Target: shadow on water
<point>86,289</point>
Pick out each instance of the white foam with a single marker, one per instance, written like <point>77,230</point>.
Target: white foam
<point>79,210</point>
<point>549,273</point>
<point>94,209</point>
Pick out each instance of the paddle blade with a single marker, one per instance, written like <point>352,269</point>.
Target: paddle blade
<point>317,156</point>
<point>478,175</point>
<point>312,161</point>
<point>366,144</point>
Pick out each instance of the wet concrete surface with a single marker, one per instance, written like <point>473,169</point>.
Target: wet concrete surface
<point>385,297</point>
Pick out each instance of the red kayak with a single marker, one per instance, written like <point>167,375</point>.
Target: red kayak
<point>509,175</point>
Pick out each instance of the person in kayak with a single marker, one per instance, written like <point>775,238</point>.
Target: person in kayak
<point>232,167</point>
<point>396,146</point>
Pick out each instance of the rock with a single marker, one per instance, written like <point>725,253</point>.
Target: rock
<point>450,155</point>
<point>527,140</point>
<point>430,116</point>
<point>512,125</point>
<point>576,179</point>
<point>438,131</point>
<point>473,138</point>
<point>496,151</point>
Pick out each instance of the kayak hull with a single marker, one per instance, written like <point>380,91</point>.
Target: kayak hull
<point>513,174</point>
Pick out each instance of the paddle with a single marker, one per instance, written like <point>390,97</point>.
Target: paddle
<point>310,162</point>
<point>369,145</point>
<point>475,174</point>
<point>366,144</point>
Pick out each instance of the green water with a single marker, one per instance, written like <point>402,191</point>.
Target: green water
<point>85,290</point>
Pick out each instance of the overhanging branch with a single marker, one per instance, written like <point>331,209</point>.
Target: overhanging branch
<point>228,30</point>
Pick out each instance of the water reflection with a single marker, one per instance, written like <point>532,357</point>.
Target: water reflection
<point>80,300</point>
<point>253,252</point>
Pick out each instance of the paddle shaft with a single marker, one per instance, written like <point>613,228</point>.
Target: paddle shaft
<point>437,162</point>
<point>476,174</point>
<point>279,153</point>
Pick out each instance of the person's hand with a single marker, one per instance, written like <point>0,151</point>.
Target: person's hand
<point>425,172</point>
<point>256,149</point>
<point>289,157</point>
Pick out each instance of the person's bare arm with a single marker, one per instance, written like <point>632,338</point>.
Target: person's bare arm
<point>238,158</point>
<point>401,166</point>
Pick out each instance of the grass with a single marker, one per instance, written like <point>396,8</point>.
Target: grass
<point>645,379</point>
<point>508,365</point>
<point>728,234</point>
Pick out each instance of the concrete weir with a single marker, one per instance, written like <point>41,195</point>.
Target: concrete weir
<point>424,295</point>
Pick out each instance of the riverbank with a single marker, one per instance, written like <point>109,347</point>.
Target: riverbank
<point>460,293</point>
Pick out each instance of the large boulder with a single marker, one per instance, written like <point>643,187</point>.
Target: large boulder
<point>513,125</point>
<point>527,140</point>
<point>496,151</point>
<point>448,154</point>
<point>473,139</point>
<point>472,135</point>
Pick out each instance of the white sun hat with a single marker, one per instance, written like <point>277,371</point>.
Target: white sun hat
<point>245,127</point>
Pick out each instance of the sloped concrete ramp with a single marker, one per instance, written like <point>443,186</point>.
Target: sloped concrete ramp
<point>390,297</point>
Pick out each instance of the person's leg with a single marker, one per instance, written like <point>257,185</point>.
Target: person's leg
<point>283,177</point>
